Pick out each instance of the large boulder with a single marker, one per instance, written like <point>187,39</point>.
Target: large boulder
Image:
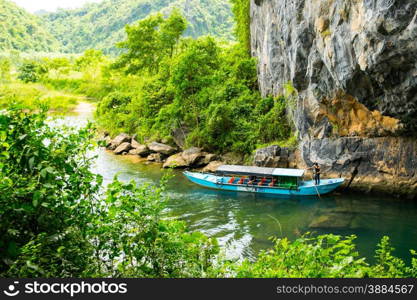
<point>118,140</point>
<point>162,148</point>
<point>123,148</point>
<point>205,159</point>
<point>192,155</point>
<point>155,157</point>
<point>352,66</point>
<point>340,57</point>
<point>135,143</point>
<point>176,161</point>
<point>272,157</point>
<point>212,167</point>
<point>141,150</point>
<point>233,158</point>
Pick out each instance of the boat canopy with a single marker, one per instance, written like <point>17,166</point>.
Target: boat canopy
<point>259,171</point>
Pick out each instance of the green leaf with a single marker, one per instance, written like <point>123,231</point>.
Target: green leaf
<point>112,212</point>
<point>36,197</point>
<point>31,162</point>
<point>44,172</point>
<point>5,154</point>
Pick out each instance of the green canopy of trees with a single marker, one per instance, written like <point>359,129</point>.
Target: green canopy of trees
<point>241,11</point>
<point>150,41</point>
<point>163,83</point>
<point>102,25</point>
<point>23,31</point>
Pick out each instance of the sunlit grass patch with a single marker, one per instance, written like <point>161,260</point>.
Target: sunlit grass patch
<point>32,94</point>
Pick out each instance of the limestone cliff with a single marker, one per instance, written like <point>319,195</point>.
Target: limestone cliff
<point>353,64</point>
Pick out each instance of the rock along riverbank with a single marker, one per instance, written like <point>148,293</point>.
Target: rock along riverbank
<point>362,157</point>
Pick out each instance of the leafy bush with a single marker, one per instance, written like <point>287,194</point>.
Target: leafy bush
<point>46,192</point>
<point>140,243</point>
<point>55,223</point>
<point>325,256</point>
<point>32,71</point>
<point>241,11</point>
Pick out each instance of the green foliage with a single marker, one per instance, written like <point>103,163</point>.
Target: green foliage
<point>31,95</point>
<point>204,87</point>
<point>89,59</point>
<point>5,68</point>
<point>23,31</point>
<point>32,71</point>
<point>151,246</point>
<point>241,11</point>
<point>273,121</point>
<point>46,194</point>
<point>325,256</point>
<point>101,25</point>
<point>388,265</point>
<point>170,31</point>
<point>149,42</point>
<point>55,223</point>
<point>60,66</point>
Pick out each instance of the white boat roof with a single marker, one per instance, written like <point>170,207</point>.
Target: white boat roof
<point>288,172</point>
<point>260,171</point>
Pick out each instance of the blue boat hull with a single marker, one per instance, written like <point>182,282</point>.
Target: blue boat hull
<point>306,188</point>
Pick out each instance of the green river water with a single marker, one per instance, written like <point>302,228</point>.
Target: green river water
<point>243,222</point>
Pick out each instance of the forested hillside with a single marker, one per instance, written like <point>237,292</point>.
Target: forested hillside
<point>22,31</point>
<point>101,25</point>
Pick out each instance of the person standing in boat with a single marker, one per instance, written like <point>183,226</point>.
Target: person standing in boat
<point>316,172</point>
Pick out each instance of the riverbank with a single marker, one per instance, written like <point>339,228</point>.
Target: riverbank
<point>374,167</point>
<point>379,166</point>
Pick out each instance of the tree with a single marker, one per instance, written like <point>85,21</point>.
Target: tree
<point>142,45</point>
<point>90,63</point>
<point>149,42</point>
<point>193,68</point>
<point>32,71</point>
<point>171,30</point>
<point>5,67</point>
<point>192,72</point>
<point>241,11</point>
<point>60,65</point>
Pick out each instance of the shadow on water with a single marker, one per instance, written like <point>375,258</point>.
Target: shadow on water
<point>244,222</point>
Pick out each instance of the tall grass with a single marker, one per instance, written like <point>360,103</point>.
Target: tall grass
<point>30,95</point>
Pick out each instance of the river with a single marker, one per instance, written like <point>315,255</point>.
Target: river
<point>243,223</point>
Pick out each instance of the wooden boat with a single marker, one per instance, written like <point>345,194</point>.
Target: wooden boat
<point>274,181</point>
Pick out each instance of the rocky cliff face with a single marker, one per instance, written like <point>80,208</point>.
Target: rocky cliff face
<point>353,64</point>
